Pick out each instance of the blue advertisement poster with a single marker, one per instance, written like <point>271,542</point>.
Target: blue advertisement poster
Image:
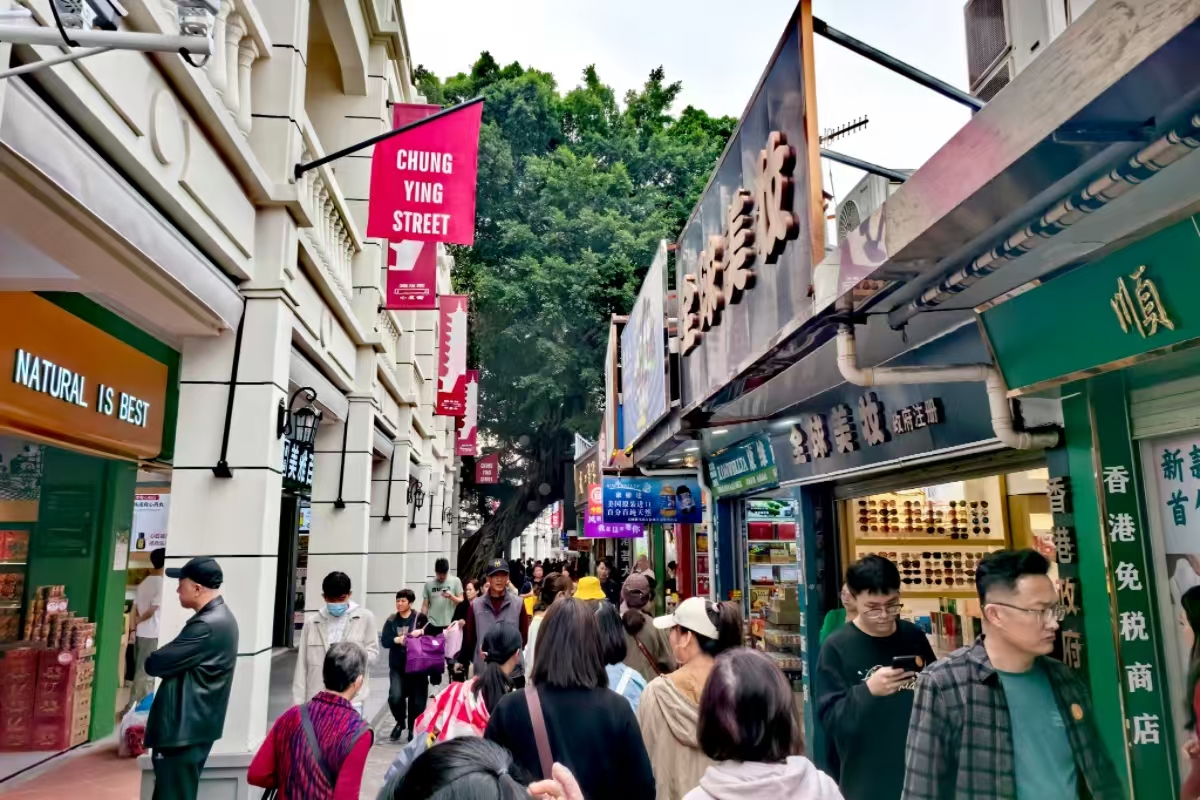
<point>674,499</point>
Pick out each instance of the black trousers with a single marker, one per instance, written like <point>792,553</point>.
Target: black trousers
<point>177,771</point>
<point>408,694</point>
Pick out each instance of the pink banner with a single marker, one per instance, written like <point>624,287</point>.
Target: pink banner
<point>412,276</point>
<point>423,181</point>
<point>467,426</point>
<point>452,355</point>
<point>487,469</point>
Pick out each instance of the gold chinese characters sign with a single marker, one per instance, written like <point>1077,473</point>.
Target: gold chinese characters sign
<point>63,379</point>
<point>757,227</point>
<point>1142,309</point>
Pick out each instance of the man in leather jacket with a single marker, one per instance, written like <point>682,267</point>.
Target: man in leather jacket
<point>196,668</point>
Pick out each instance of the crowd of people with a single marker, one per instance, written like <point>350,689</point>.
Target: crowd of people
<point>581,693</point>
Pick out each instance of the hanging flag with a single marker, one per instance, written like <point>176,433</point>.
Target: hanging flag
<point>452,355</point>
<point>467,426</point>
<point>423,180</point>
<point>487,469</point>
<point>412,276</point>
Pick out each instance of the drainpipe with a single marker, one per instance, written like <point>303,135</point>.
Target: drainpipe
<point>1002,420</point>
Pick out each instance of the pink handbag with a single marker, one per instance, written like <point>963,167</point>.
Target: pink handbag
<point>454,637</point>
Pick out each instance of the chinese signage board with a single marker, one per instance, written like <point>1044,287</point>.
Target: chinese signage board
<point>466,437</point>
<point>744,259</point>
<point>594,526</point>
<point>297,465</point>
<point>487,469</point>
<point>452,355</point>
<point>412,276</point>
<point>743,467</point>
<point>1127,539</point>
<point>1062,549</point>
<point>612,454</point>
<point>150,512</point>
<point>61,376</point>
<point>1134,301</point>
<point>850,427</point>
<point>644,387</point>
<point>673,499</point>
<point>423,180</point>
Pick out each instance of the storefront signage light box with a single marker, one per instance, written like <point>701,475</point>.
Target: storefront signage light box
<point>743,467</point>
<point>65,378</point>
<point>644,354</point>
<point>673,499</point>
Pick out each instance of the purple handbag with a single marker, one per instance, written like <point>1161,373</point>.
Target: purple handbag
<point>425,654</point>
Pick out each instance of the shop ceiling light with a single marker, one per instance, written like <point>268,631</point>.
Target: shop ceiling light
<point>299,423</point>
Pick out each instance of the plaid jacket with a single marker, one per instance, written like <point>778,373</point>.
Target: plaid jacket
<point>960,735</point>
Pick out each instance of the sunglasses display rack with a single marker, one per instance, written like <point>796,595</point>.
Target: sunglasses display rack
<point>935,536</point>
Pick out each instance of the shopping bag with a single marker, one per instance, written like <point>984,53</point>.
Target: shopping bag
<point>426,653</point>
<point>454,637</point>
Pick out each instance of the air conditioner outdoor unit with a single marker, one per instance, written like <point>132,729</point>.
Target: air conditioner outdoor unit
<point>862,201</point>
<point>1005,36</point>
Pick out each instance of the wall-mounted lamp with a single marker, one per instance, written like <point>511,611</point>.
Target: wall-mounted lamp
<point>299,423</point>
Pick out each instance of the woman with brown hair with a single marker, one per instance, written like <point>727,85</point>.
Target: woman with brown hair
<point>568,715</point>
<point>668,711</point>
<point>750,727</point>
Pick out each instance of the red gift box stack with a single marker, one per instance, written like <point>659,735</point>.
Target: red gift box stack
<point>54,703</point>
<point>18,678</point>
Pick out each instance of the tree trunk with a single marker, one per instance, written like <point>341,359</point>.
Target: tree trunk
<point>546,467</point>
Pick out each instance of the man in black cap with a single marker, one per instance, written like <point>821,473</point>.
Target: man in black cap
<point>196,668</point>
<point>495,605</point>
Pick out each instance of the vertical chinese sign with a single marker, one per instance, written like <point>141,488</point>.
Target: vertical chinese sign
<point>1131,586</point>
<point>467,426</point>
<point>452,355</point>
<point>1066,555</point>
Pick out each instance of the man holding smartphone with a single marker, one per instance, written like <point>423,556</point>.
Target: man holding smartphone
<point>442,596</point>
<point>866,673</point>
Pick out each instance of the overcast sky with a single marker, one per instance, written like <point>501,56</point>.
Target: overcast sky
<point>719,49</point>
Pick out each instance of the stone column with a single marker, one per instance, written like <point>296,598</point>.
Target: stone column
<point>341,502</point>
<point>388,537</point>
<point>234,519</point>
<point>235,29</point>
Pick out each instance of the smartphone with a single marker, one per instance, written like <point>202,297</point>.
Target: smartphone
<point>908,663</point>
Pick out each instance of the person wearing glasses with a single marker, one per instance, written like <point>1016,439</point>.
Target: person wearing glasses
<point>864,681</point>
<point>1001,718</point>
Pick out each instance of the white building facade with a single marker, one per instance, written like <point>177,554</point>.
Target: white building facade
<point>166,193</point>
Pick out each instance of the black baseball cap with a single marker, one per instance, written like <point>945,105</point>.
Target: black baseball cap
<point>497,565</point>
<point>202,570</point>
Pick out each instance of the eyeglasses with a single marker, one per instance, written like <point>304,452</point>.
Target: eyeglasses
<point>890,610</point>
<point>1055,612</point>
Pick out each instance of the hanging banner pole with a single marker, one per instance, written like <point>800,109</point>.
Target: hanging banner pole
<point>354,148</point>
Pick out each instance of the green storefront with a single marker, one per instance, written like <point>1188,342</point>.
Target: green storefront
<point>85,398</point>
<point>1116,342</point>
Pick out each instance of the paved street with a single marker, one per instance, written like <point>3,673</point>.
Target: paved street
<point>98,771</point>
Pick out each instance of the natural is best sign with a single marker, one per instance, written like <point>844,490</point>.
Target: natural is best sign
<point>41,375</point>
<point>423,180</point>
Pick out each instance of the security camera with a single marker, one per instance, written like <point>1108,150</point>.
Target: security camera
<point>196,17</point>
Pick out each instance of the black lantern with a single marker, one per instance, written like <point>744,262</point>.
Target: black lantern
<point>301,423</point>
<point>414,491</point>
<point>420,496</point>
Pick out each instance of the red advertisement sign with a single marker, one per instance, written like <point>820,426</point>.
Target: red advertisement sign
<point>411,276</point>
<point>467,426</point>
<point>423,181</point>
<point>556,516</point>
<point>487,469</point>
<point>452,355</point>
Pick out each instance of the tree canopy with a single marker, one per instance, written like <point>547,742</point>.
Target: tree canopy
<point>575,192</point>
